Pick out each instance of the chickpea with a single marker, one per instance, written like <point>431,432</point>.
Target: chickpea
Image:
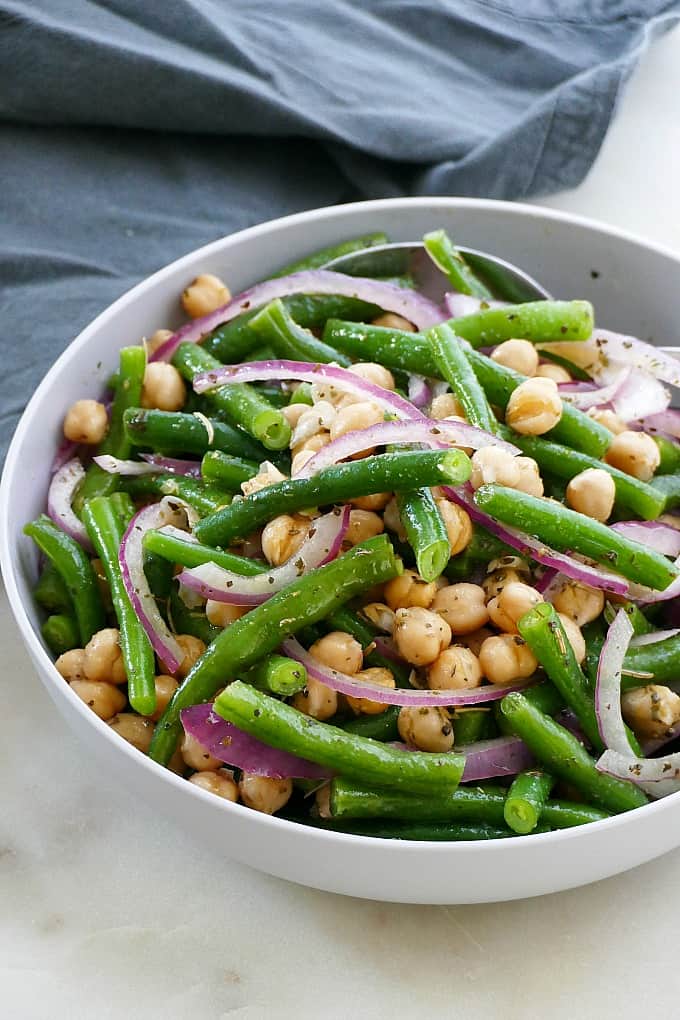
<point>163,387</point>
<point>222,614</point>
<point>592,492</point>
<point>339,651</point>
<point>548,370</point>
<point>220,782</point>
<point>103,659</point>
<point>86,421</point>
<point>390,320</point>
<point>264,794</point>
<point>376,501</point>
<point>316,700</point>
<point>458,525</point>
<point>534,407</point>
<point>579,602</point>
<point>133,728</point>
<point>206,294</point>
<point>609,419</point>
<point>475,640</point>
<point>363,524</point>
<point>374,373</point>
<point>71,664</point>
<point>409,589</point>
<point>462,606</point>
<point>376,675</point>
<point>314,421</point>
<point>530,480</point>
<point>420,635</point>
<point>356,418</point>
<point>428,729</point>
<point>651,711</point>
<point>505,658</point>
<point>511,603</point>
<point>574,637</point>
<point>494,583</point>
<point>380,615</point>
<point>283,536</point>
<point>104,699</point>
<point>636,453</point>
<point>267,475</point>
<point>293,412</point>
<point>446,405</point>
<point>156,340</point>
<point>196,756</point>
<point>519,355</point>
<point>492,464</point>
<point>392,520</point>
<point>456,669</point>
<point>165,688</point>
<point>193,649</point>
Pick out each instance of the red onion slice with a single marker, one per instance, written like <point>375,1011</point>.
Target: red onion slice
<point>653,637</point>
<point>502,756</point>
<point>639,395</point>
<point>655,535</point>
<point>603,347</point>
<point>170,510</point>
<point>657,776</point>
<point>323,544</point>
<point>66,451</point>
<point>153,464</point>
<point>63,485</point>
<point>610,722</point>
<point>666,422</point>
<point>303,371</point>
<point>174,465</point>
<point>231,745</point>
<point>587,396</point>
<point>418,390</point>
<point>419,310</point>
<point>349,685</point>
<point>431,432</point>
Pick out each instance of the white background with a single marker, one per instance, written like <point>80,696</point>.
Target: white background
<point>107,911</point>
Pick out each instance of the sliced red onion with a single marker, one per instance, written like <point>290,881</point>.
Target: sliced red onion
<point>546,582</point>
<point>404,301</point>
<point>502,756</point>
<point>63,485</point>
<point>66,451</point>
<point>174,465</point>
<point>587,396</point>
<point>435,433</point>
<point>529,546</point>
<point>465,304</point>
<point>610,722</point>
<point>665,423</point>
<point>653,637</point>
<point>323,544</point>
<point>153,464</point>
<point>231,745</point>
<point>663,538</point>
<point>170,510</point>
<point>604,347</point>
<point>387,648</point>
<point>303,371</point>
<point>639,395</point>
<point>649,773</point>
<point>349,685</point>
<point>418,390</point>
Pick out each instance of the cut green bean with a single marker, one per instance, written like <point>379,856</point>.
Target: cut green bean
<point>387,472</point>
<point>382,726</point>
<point>565,757</point>
<point>452,263</point>
<point>260,631</point>
<point>60,633</point>
<point>173,432</point>
<point>194,554</point>
<point>320,258</point>
<point>202,497</point>
<point>302,395</point>
<point>425,531</point>
<point>656,663</point>
<point>454,366</point>
<point>525,801</point>
<point>670,456</point>
<point>106,532</point>
<point>565,529</point>
<point>669,488</point>
<point>277,675</point>
<point>51,593</point>
<point>280,725</point>
<point>73,565</point>
<point>276,326</point>
<point>226,472</point>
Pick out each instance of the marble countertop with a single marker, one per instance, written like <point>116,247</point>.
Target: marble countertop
<point>108,911</point>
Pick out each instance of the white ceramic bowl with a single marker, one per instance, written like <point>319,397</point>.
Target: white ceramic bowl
<point>635,287</point>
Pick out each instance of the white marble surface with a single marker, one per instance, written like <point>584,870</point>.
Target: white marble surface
<point>107,911</point>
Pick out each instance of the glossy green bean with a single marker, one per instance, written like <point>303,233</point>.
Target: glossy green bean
<point>525,801</point>
<point>425,531</point>
<point>207,499</point>
<point>225,472</point>
<point>320,258</point>
<point>454,366</point>
<point>656,663</point>
<point>452,263</point>
<point>382,726</point>
<point>277,675</point>
<point>275,325</point>
<point>471,725</point>
<point>60,633</point>
<point>51,593</point>
<point>173,432</point>
<point>669,488</point>
<point>193,554</point>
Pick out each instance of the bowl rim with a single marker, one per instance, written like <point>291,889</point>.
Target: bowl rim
<point>39,654</point>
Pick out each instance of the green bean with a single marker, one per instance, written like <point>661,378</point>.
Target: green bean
<point>413,353</point>
<point>205,498</point>
<point>183,620</point>
<point>193,554</point>
<point>454,366</point>
<point>275,324</point>
<point>425,531</point>
<point>544,633</point>
<point>319,258</point>
<point>347,620</point>
<point>263,353</point>
<point>669,487</point>
<point>260,631</point>
<point>565,757</point>
<point>639,621</point>
<point>173,432</point>
<point>565,529</point>
<point>545,697</point>
<point>642,499</point>
<point>123,507</point>
<point>525,801</point>
<point>452,263</point>
<point>449,832</point>
<point>73,565</point>
<point>106,532</point>
<point>302,395</point>
<point>277,675</point>
<point>226,472</point>
<point>382,726</point>
<point>280,725</point>
<point>241,404</point>
<point>574,370</point>
<point>233,341</point>
<point>160,575</point>
<point>116,443</point>
<point>60,633</point>
<point>471,725</point>
<point>536,321</point>
<point>480,551</point>
<point>670,456</point>
<point>387,472</point>
<point>51,593</point>
<point>656,663</point>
